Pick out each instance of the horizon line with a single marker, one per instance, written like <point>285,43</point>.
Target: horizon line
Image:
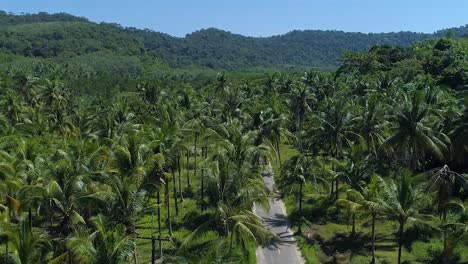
<point>228,31</point>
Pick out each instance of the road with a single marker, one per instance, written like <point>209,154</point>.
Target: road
<point>277,221</point>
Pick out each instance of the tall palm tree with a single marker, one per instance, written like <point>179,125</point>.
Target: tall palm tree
<point>337,129</point>
<point>442,182</point>
<point>297,171</point>
<point>27,246</point>
<point>111,241</point>
<point>301,101</point>
<point>413,133</point>
<point>367,201</point>
<point>370,124</point>
<point>400,201</point>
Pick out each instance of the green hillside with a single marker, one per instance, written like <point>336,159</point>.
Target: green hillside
<point>64,37</point>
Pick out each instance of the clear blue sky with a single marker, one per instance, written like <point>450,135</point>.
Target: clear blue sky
<point>260,17</point>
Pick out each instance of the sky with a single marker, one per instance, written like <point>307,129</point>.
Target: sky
<point>260,17</point>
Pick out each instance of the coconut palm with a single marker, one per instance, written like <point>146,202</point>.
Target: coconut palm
<point>370,124</point>
<point>366,201</point>
<point>301,101</point>
<point>297,171</point>
<point>27,246</point>
<point>337,129</point>
<point>400,201</point>
<point>412,132</point>
<point>442,182</point>
<point>112,242</point>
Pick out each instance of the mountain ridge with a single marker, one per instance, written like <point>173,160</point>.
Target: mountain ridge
<point>64,36</point>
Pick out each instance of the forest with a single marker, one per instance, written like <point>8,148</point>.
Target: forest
<point>106,156</point>
<point>64,38</point>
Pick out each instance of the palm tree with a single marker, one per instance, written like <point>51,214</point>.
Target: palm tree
<point>222,83</point>
<point>370,123</point>
<point>367,201</point>
<point>337,129</point>
<point>413,134</point>
<point>111,241</point>
<point>455,231</point>
<point>270,125</point>
<point>127,178</point>
<point>297,171</point>
<point>69,190</point>
<point>27,246</point>
<point>458,138</point>
<point>442,182</point>
<point>11,107</point>
<point>301,100</point>
<point>28,86</point>
<point>400,202</point>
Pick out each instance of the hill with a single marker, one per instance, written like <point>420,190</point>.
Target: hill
<point>63,37</point>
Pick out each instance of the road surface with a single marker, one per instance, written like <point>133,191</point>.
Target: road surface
<point>276,220</point>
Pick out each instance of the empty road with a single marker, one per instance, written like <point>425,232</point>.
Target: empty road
<point>277,221</point>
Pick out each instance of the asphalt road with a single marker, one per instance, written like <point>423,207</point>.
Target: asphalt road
<point>285,251</point>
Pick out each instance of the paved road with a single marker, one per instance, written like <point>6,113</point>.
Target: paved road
<point>276,220</point>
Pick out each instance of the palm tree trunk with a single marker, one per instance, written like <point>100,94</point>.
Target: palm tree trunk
<point>188,169</point>
<point>299,131</point>
<point>6,250</point>
<point>202,185</point>
<point>180,178</point>
<point>174,187</point>
<point>279,152</point>
<point>135,255</point>
<point>332,191</point>
<point>196,154</point>
<point>300,207</point>
<point>153,241</point>
<point>168,207</point>
<point>373,238</point>
<point>336,189</point>
<point>400,241</point>
<point>445,253</point>
<point>336,180</point>
<point>30,219</point>
<point>51,221</point>
<point>159,225</point>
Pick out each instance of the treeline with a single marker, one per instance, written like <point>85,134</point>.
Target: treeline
<point>65,37</point>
